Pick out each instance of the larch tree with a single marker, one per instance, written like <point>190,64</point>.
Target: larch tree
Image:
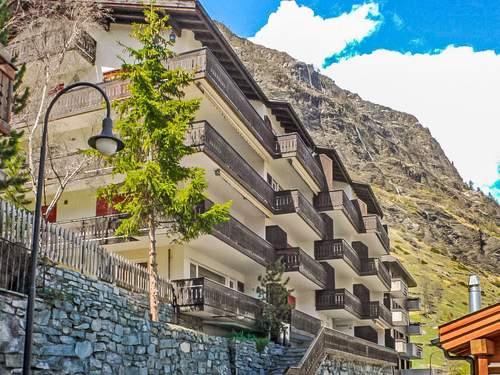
<point>273,290</point>
<point>158,191</point>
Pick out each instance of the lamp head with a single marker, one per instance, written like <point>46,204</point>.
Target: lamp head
<point>106,142</point>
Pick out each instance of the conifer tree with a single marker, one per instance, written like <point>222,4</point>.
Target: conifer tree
<point>273,290</point>
<point>157,189</point>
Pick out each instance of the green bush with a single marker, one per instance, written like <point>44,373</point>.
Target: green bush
<point>260,342</point>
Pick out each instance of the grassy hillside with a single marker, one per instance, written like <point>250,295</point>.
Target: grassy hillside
<point>442,281</point>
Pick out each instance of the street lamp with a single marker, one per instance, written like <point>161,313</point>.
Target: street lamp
<point>107,144</point>
<point>430,361</point>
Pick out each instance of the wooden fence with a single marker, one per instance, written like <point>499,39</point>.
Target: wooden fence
<point>65,247</point>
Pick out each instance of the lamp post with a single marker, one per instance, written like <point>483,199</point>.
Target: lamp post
<point>107,144</point>
<point>430,361</point>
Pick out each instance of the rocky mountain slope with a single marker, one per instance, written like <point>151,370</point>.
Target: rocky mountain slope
<point>439,227</point>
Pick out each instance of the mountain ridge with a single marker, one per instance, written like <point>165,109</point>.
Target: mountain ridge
<point>440,228</point>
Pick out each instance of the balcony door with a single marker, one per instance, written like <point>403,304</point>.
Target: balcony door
<point>197,270</point>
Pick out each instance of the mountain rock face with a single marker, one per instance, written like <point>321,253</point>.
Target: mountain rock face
<point>388,149</point>
<point>440,228</point>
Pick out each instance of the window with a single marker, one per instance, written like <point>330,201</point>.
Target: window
<point>274,184</point>
<point>102,208</point>
<point>52,215</point>
<point>196,270</point>
<point>143,264</point>
<point>203,272</point>
<point>241,287</point>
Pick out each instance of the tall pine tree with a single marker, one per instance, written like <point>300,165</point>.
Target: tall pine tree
<point>273,290</point>
<point>157,189</point>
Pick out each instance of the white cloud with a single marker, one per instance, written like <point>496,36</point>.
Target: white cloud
<point>455,93</point>
<point>310,38</point>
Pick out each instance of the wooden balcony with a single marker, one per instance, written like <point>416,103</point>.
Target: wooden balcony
<point>303,325</point>
<point>203,136</point>
<point>206,66</point>
<point>413,304</point>
<point>377,311</point>
<point>338,253</point>
<point>400,317</point>
<point>80,101</point>
<point>374,269</point>
<point>414,329</point>
<point>302,269</point>
<point>243,239</point>
<point>101,229</point>
<point>288,202</point>
<point>52,43</point>
<point>401,346</point>
<point>414,351</point>
<point>345,214</point>
<point>373,224</point>
<point>399,289</point>
<point>292,147</point>
<point>7,75</point>
<point>339,303</point>
<point>217,303</point>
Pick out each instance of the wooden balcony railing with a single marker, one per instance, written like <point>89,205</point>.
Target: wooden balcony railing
<point>80,101</point>
<point>292,145</point>
<point>101,229</point>
<point>399,287</point>
<point>414,329</point>
<point>297,260</point>
<point>373,266</point>
<point>373,224</point>
<point>303,322</point>
<point>52,43</point>
<point>338,200</point>
<point>414,350</point>
<point>331,340</point>
<point>377,310</point>
<point>202,293</point>
<point>413,304</point>
<point>65,247</point>
<point>204,136</point>
<point>290,201</point>
<point>338,299</point>
<point>337,249</point>
<point>242,238</point>
<point>205,65</point>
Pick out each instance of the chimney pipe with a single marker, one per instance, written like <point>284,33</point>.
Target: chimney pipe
<point>474,293</point>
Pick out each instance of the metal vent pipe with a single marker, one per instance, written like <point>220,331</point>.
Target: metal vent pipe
<point>474,293</point>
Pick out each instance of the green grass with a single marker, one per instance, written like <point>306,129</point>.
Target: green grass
<point>445,280</point>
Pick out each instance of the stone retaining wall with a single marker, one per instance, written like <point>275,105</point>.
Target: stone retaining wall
<point>339,365</point>
<point>249,361</point>
<point>85,326</point>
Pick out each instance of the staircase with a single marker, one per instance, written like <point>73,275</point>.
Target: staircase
<point>291,357</point>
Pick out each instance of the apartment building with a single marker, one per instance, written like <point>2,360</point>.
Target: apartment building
<point>291,199</point>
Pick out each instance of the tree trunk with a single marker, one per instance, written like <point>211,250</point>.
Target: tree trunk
<point>153,272</point>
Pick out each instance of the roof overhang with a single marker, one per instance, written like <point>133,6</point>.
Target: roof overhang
<point>366,194</point>
<point>286,115</point>
<point>394,262</point>
<point>339,170</point>
<point>456,335</point>
<point>190,14</point>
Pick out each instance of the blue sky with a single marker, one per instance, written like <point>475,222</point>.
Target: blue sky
<point>437,60</point>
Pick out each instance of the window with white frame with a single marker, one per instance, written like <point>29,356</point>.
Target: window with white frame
<point>197,270</point>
